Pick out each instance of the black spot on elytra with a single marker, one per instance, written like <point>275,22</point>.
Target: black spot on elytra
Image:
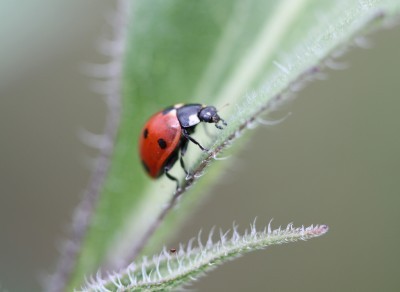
<point>145,133</point>
<point>145,166</point>
<point>162,143</point>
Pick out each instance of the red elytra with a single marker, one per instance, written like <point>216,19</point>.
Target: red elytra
<point>160,138</point>
<point>166,134</point>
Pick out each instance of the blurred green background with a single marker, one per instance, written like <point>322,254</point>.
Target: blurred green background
<point>335,161</point>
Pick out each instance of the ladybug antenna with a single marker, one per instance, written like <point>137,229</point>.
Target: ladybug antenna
<point>225,105</point>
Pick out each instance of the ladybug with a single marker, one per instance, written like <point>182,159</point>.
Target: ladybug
<point>166,135</point>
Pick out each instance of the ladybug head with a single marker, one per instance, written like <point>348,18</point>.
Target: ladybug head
<point>209,114</point>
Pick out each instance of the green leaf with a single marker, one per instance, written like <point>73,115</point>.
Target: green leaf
<point>252,55</point>
<point>168,270</point>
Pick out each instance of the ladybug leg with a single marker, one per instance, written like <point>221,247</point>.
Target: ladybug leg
<point>218,126</point>
<point>223,122</point>
<point>183,166</point>
<point>183,151</point>
<point>187,136</point>
<point>171,177</point>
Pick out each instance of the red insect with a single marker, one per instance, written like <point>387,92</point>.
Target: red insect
<point>166,134</point>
